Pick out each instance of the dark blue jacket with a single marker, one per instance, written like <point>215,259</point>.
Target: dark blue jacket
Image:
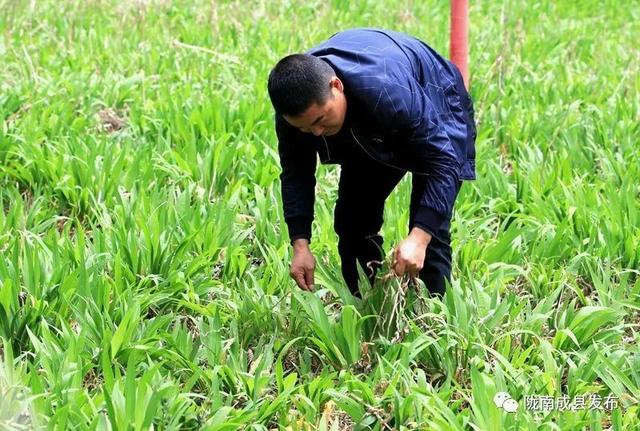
<point>406,107</point>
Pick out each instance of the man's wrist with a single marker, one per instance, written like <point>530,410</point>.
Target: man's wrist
<point>420,235</point>
<point>300,244</point>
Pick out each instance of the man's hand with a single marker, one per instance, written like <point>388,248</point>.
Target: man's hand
<point>410,253</point>
<point>303,264</point>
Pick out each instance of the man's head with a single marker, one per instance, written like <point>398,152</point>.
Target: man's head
<point>307,93</point>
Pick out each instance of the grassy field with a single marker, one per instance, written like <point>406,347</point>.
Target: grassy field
<point>144,259</point>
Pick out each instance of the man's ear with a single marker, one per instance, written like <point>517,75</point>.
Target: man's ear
<point>336,83</point>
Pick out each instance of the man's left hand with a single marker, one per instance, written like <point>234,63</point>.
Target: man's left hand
<point>410,253</point>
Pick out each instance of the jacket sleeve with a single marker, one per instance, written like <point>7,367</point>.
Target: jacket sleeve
<point>429,127</point>
<point>297,179</point>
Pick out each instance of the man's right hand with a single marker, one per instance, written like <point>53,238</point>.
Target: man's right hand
<point>303,264</point>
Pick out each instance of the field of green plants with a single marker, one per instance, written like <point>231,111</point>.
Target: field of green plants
<point>144,257</point>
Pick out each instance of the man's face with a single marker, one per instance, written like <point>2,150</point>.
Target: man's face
<point>323,120</point>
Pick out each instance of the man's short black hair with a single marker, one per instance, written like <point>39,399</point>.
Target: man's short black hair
<point>297,82</point>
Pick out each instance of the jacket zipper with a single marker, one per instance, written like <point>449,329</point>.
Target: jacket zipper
<point>326,146</point>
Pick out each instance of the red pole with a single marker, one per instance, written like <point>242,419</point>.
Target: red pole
<point>459,47</point>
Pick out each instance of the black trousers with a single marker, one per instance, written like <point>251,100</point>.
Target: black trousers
<point>365,184</point>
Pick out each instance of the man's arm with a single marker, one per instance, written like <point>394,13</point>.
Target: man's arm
<point>297,179</point>
<point>431,136</point>
<point>298,163</point>
<point>403,104</point>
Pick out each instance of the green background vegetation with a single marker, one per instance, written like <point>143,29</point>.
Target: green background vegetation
<point>144,261</point>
